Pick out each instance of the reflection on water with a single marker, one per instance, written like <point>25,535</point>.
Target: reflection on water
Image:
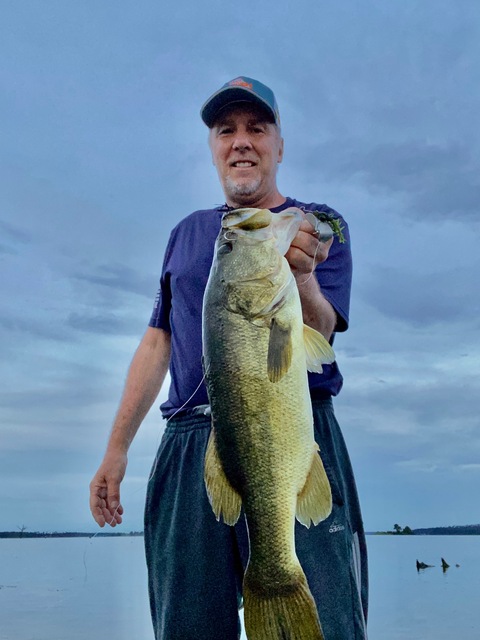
<point>430,603</point>
<point>77,588</point>
<point>74,589</point>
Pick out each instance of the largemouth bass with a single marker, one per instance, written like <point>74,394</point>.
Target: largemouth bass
<point>262,453</point>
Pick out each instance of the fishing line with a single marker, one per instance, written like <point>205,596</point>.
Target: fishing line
<point>171,418</point>
<point>313,267</point>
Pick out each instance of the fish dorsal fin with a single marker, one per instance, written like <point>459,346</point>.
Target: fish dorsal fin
<point>279,356</point>
<point>314,502</point>
<point>318,350</point>
<point>225,501</point>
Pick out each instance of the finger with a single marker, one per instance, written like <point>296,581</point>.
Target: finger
<point>113,516</point>
<point>309,245</point>
<point>299,261</point>
<point>307,226</point>
<point>113,497</point>
<point>304,260</point>
<point>100,513</point>
<point>325,245</point>
<point>98,501</point>
<point>97,511</point>
<point>104,515</point>
<point>321,252</point>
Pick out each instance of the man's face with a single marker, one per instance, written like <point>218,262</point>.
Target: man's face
<point>246,149</point>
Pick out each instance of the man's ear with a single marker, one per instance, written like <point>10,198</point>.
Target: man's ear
<point>280,151</point>
<point>210,145</point>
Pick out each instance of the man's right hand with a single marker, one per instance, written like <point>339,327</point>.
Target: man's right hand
<point>105,490</point>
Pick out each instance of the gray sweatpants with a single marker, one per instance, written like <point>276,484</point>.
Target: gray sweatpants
<point>196,564</point>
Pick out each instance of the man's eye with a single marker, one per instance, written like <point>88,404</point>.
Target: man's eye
<point>225,130</point>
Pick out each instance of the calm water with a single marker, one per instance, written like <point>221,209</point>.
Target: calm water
<point>80,588</point>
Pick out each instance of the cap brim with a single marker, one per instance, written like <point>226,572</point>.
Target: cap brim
<point>229,95</point>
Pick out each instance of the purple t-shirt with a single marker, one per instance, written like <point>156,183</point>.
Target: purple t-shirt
<point>178,305</point>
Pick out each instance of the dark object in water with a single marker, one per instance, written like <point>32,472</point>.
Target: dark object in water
<point>422,565</point>
<point>445,565</point>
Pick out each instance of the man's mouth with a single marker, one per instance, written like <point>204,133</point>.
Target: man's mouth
<point>243,164</point>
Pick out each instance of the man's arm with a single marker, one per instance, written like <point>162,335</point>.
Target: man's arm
<point>303,256</point>
<point>144,380</point>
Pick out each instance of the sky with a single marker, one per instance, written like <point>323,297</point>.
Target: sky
<point>102,152</point>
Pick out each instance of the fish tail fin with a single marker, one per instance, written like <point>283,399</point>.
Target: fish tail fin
<point>289,613</point>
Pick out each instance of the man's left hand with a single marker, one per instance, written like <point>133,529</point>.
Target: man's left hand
<point>306,251</point>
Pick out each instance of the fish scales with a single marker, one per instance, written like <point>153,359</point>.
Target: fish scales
<point>262,452</point>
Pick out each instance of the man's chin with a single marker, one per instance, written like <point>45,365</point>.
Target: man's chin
<point>243,193</point>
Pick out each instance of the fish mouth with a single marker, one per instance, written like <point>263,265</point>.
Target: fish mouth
<point>247,219</point>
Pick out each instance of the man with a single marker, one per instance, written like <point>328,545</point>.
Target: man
<point>195,563</point>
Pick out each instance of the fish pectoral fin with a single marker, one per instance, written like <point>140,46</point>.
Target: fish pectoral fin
<point>279,356</point>
<point>225,501</point>
<point>314,502</point>
<point>317,348</point>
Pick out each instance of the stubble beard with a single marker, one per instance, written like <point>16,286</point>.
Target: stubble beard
<point>241,192</point>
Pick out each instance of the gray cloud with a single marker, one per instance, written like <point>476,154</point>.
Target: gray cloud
<point>40,328</point>
<point>119,277</point>
<point>417,426</point>
<point>436,180</point>
<point>424,299</point>
<point>14,232</point>
<point>4,249</point>
<point>104,323</point>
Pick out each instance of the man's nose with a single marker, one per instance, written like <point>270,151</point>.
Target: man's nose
<point>241,142</point>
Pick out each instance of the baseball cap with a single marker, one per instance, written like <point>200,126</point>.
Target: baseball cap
<point>240,89</point>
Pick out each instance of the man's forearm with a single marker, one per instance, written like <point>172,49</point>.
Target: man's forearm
<point>318,313</point>
<point>144,380</point>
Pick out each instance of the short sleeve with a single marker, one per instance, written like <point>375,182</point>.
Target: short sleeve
<point>160,318</point>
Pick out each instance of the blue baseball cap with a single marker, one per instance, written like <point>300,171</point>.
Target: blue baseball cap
<point>241,89</point>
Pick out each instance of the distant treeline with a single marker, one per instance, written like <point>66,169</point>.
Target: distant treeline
<point>458,530</point>
<point>65,534</point>
<point>465,530</point>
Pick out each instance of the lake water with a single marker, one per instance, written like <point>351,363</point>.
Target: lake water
<point>80,588</point>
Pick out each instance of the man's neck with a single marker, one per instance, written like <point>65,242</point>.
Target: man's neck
<point>269,201</point>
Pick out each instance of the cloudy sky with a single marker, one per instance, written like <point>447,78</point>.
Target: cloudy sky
<point>102,152</point>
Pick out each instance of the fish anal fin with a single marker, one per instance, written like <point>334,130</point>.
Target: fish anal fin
<point>288,611</point>
<point>279,356</point>
<point>314,502</point>
<point>317,348</point>
<point>225,501</point>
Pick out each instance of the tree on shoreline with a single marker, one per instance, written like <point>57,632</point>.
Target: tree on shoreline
<point>398,531</point>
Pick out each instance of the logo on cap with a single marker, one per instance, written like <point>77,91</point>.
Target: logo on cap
<point>240,82</point>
